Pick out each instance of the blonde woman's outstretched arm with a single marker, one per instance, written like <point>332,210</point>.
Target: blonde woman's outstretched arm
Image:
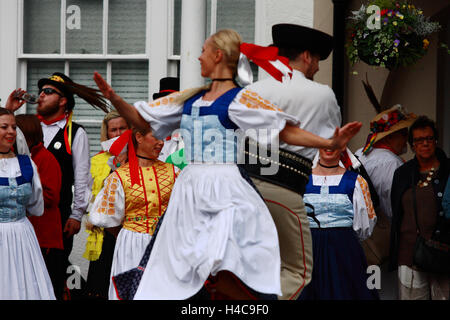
<point>125,109</point>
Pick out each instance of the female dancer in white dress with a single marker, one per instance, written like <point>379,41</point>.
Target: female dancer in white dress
<point>215,223</point>
<point>343,207</point>
<point>135,207</point>
<point>23,272</point>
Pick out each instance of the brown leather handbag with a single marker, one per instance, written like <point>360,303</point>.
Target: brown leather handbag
<point>430,255</point>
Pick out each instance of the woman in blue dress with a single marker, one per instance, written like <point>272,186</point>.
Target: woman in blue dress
<point>216,224</point>
<point>345,215</point>
<point>23,272</point>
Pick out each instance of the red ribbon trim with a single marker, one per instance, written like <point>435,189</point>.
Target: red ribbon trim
<point>261,57</point>
<point>117,147</point>
<point>41,119</point>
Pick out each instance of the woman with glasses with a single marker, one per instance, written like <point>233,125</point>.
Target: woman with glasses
<point>417,191</point>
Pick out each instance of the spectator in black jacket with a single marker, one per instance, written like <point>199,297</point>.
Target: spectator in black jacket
<point>427,173</point>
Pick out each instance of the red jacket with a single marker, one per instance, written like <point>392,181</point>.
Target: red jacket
<point>48,227</point>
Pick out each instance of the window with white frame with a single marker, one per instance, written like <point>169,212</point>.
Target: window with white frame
<point>221,14</point>
<point>78,37</point>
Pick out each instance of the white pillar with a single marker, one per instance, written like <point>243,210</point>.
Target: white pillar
<point>193,31</point>
<point>157,35</point>
<point>8,48</point>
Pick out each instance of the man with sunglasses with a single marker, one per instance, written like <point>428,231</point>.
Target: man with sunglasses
<point>68,142</point>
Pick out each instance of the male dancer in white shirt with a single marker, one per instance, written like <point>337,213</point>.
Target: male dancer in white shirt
<point>315,105</point>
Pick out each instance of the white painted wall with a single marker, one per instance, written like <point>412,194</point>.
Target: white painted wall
<point>285,11</point>
<point>270,12</point>
<point>8,48</point>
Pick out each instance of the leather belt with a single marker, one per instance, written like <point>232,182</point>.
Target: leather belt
<point>293,170</point>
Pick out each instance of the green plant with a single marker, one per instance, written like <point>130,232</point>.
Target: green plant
<point>400,39</point>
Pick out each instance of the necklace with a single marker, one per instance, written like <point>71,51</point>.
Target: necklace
<point>222,79</point>
<point>6,155</point>
<point>423,183</point>
<point>328,167</point>
<point>145,158</point>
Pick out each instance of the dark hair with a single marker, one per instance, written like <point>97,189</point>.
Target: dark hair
<point>290,52</point>
<point>4,111</point>
<point>141,131</point>
<point>421,123</point>
<point>293,52</point>
<point>31,128</point>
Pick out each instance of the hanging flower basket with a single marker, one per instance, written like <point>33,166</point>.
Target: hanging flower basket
<point>395,36</point>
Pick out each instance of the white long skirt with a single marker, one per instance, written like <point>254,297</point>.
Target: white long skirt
<point>128,252</point>
<point>215,221</point>
<point>23,274</point>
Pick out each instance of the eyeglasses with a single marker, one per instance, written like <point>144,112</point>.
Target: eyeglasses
<point>422,140</point>
<point>49,91</point>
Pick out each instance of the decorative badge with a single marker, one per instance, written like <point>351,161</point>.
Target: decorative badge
<point>57,145</point>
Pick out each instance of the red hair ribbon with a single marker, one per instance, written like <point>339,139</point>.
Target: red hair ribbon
<point>117,147</point>
<point>268,59</point>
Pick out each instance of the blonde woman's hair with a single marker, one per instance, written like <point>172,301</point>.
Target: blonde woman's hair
<point>229,42</point>
<point>104,129</point>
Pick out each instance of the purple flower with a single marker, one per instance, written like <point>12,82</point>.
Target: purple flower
<point>396,42</point>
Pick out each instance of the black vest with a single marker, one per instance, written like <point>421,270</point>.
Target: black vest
<point>65,162</point>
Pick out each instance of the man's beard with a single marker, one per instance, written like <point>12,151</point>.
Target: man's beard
<point>48,111</point>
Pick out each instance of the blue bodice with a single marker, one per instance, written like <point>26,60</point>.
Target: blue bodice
<point>16,192</point>
<point>208,132</point>
<point>333,205</point>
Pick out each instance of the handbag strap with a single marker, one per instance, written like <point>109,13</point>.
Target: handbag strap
<point>415,204</point>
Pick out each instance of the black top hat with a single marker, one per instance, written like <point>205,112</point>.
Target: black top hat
<point>167,86</point>
<point>60,81</point>
<point>287,35</point>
